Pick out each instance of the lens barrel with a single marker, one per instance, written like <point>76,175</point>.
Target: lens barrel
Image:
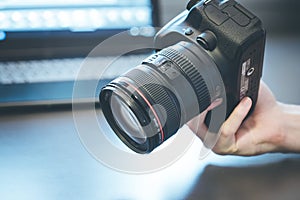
<point>158,96</point>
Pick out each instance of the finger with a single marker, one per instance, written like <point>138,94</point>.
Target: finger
<point>194,123</point>
<point>234,121</point>
<point>214,104</point>
<point>227,140</point>
<point>197,125</point>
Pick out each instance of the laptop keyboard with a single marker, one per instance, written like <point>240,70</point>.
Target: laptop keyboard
<point>57,70</point>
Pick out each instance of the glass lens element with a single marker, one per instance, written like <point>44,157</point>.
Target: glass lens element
<point>126,119</point>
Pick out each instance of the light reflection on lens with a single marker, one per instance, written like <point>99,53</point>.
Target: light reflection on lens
<point>127,120</point>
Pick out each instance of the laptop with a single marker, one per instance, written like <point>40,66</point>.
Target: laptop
<point>43,44</point>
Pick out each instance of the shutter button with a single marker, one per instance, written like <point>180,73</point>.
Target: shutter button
<point>188,31</point>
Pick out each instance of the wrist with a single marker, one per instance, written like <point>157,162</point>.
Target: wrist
<point>290,127</point>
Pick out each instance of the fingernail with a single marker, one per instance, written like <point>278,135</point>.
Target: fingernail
<point>247,102</point>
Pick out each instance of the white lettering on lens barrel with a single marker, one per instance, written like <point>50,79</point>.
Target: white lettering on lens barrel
<point>245,78</point>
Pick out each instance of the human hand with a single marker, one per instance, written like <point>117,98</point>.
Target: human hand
<point>261,132</point>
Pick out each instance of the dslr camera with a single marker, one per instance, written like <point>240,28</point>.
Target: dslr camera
<point>214,49</point>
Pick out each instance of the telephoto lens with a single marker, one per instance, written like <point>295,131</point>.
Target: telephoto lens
<point>149,103</point>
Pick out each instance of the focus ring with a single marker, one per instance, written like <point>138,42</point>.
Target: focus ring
<point>191,74</point>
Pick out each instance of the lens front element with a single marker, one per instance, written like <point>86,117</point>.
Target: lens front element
<point>127,120</point>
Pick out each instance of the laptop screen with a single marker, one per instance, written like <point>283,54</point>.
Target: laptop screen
<point>38,29</point>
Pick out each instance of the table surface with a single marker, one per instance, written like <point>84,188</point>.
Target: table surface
<point>42,157</point>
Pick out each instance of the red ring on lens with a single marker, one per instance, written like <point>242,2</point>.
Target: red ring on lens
<point>151,108</point>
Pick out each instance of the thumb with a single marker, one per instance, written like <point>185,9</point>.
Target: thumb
<point>227,140</point>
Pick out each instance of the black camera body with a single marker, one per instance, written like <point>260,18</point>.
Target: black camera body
<point>214,50</point>
<point>231,35</point>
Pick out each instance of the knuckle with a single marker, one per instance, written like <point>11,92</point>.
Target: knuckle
<point>226,130</point>
<point>231,150</point>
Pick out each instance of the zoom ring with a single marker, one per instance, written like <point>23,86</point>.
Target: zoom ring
<point>191,74</point>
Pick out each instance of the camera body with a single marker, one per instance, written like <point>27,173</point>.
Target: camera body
<point>214,50</point>
<point>231,35</point>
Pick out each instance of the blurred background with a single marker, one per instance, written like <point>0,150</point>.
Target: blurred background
<point>42,157</point>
